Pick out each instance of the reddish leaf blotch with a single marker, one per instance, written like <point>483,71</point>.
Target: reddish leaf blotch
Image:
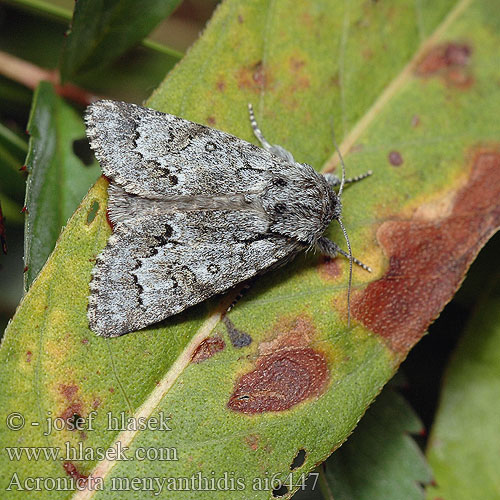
<point>281,380</point>
<point>428,259</point>
<point>207,348</point>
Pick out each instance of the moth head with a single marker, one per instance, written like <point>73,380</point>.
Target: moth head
<point>300,203</point>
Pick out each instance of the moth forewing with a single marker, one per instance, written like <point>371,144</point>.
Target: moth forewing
<point>195,212</point>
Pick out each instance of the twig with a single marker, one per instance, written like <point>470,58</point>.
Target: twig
<point>30,75</point>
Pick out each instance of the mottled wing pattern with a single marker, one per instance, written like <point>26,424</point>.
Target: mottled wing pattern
<point>158,267</point>
<point>154,154</point>
<point>190,214</point>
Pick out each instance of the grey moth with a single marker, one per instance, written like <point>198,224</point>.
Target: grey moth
<point>195,211</point>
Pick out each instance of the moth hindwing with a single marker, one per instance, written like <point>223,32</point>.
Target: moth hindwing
<point>194,211</point>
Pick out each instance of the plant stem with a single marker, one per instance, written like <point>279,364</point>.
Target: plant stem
<point>30,75</point>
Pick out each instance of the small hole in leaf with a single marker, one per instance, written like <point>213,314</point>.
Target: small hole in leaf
<point>299,459</point>
<point>81,148</point>
<point>76,421</point>
<point>92,212</point>
<point>280,492</point>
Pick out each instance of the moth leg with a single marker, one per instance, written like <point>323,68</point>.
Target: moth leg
<point>331,249</point>
<point>246,286</point>
<point>272,148</point>
<point>333,180</point>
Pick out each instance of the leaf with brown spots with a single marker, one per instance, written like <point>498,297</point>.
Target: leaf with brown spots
<point>280,381</point>
<point>429,255</point>
<point>296,380</point>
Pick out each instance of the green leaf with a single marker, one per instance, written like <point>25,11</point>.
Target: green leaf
<point>12,142</point>
<point>380,461</point>
<point>15,97</point>
<point>464,441</point>
<point>11,210</point>
<point>46,7</point>
<point>102,31</point>
<point>12,153</point>
<point>11,269</point>
<point>142,66</point>
<point>415,98</point>
<point>58,178</point>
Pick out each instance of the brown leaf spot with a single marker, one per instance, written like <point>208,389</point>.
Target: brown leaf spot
<point>255,77</point>
<point>280,380</point>
<point>259,75</point>
<point>244,78</point>
<point>459,78</point>
<point>307,19</point>
<point>415,121</point>
<point>296,64</point>
<point>72,471</point>
<point>334,81</point>
<point>329,269</point>
<point>300,81</point>
<point>367,54</point>
<point>450,61</point>
<point>428,258</point>
<point>252,441</point>
<point>211,120</point>
<point>221,85</point>
<point>96,403</point>
<point>297,331</point>
<point>68,391</point>
<point>72,410</point>
<point>443,56</point>
<point>395,158</point>
<point>207,348</point>
<point>29,355</point>
<point>457,55</point>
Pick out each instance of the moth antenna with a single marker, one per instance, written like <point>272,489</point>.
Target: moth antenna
<point>350,274</point>
<point>339,194</point>
<point>256,130</point>
<point>342,181</point>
